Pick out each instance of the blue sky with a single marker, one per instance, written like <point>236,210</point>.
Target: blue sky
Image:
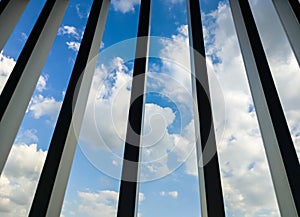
<point>171,187</point>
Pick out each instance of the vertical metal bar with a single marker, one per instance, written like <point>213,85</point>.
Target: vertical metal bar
<point>211,196</point>
<point>19,88</point>
<point>290,23</point>
<point>280,150</point>
<point>51,188</point>
<point>3,5</point>
<point>296,8</point>
<point>127,205</point>
<point>10,13</point>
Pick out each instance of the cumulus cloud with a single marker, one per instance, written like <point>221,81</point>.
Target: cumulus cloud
<point>176,63</point>
<point>244,175</point>
<point>6,66</point>
<point>241,172</point>
<point>19,179</point>
<point>41,105</point>
<point>72,32</point>
<point>125,6</point>
<point>102,96</point>
<point>27,136</point>
<point>176,70</point>
<point>104,202</point>
<point>42,82</point>
<point>102,134</point>
<point>90,204</point>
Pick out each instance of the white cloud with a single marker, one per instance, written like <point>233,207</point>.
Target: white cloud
<point>24,36</point>
<point>243,174</point>
<point>6,66</point>
<point>186,151</point>
<point>141,197</point>
<point>125,6</point>
<point>162,193</point>
<point>77,7</point>
<point>102,97</point>
<point>90,204</point>
<point>73,45</point>
<point>69,30</point>
<point>27,136</point>
<point>41,105</point>
<point>42,82</point>
<point>246,173</point>
<point>19,179</point>
<point>240,171</point>
<point>80,13</point>
<point>110,93</point>
<point>104,202</point>
<point>173,194</point>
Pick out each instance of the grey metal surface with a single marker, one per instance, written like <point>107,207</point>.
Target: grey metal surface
<point>274,156</point>
<point>20,94</point>
<point>9,18</point>
<point>290,24</point>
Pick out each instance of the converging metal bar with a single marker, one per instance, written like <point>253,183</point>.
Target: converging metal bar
<point>19,88</point>
<point>10,13</point>
<point>211,196</point>
<point>280,150</point>
<point>295,4</point>
<point>52,185</point>
<point>3,5</point>
<point>287,12</point>
<point>128,196</point>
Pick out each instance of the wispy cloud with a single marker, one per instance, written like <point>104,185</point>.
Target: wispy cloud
<point>81,14</point>
<point>69,30</point>
<point>125,6</point>
<point>24,36</point>
<point>73,45</point>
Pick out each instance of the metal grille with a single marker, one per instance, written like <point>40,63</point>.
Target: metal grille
<point>15,97</point>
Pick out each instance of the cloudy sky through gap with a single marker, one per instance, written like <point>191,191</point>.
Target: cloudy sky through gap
<point>169,184</point>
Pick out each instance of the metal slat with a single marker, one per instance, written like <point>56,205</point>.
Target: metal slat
<point>21,83</point>
<point>51,188</point>
<point>3,5</point>
<point>280,150</point>
<point>296,8</point>
<point>10,13</point>
<point>127,205</point>
<point>287,12</point>
<point>211,196</point>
